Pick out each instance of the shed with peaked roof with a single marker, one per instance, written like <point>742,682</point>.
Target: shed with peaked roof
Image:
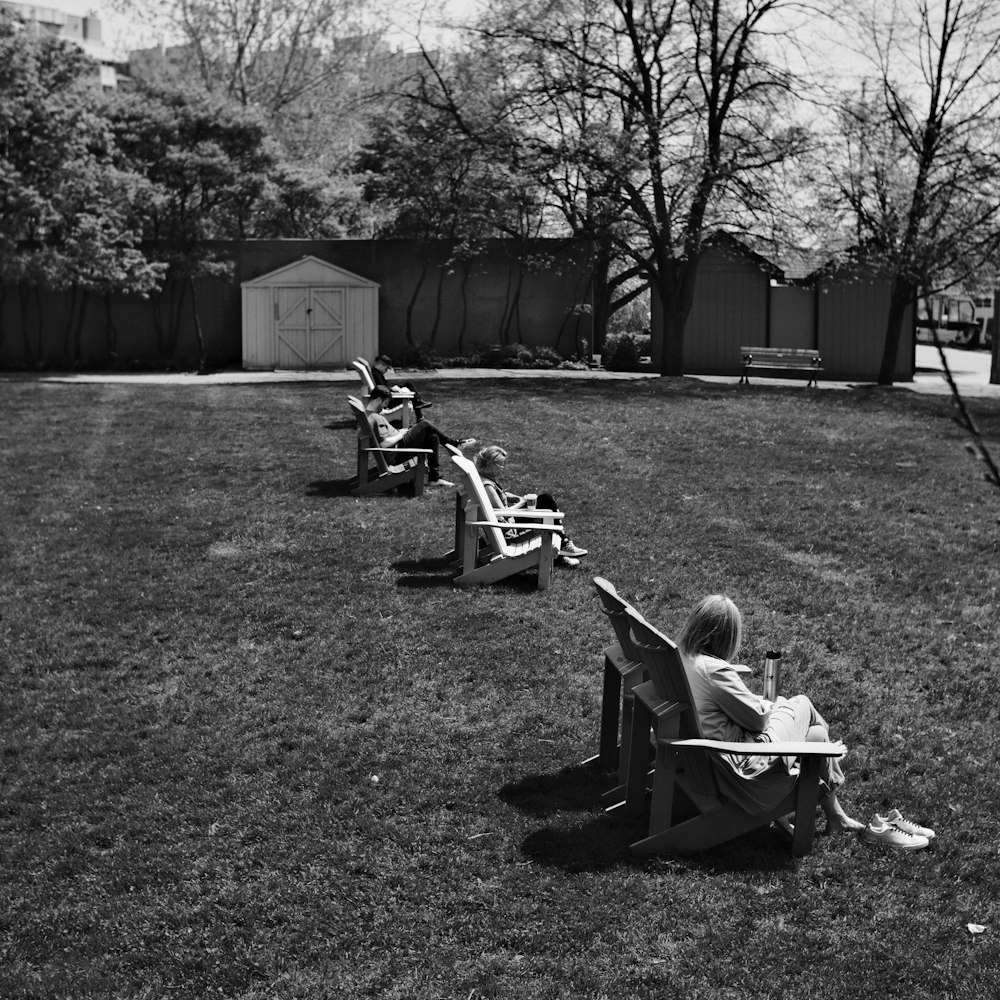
<point>308,314</point>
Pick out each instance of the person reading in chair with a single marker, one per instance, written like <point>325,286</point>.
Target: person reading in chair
<point>380,369</point>
<point>729,711</point>
<point>420,435</point>
<point>491,462</point>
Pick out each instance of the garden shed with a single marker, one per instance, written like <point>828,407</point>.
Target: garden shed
<point>308,314</point>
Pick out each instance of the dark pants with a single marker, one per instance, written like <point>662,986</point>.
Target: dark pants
<point>545,501</point>
<point>425,435</point>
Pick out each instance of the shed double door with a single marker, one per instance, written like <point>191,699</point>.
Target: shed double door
<point>310,326</point>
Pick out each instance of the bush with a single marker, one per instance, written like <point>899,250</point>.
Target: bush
<point>623,352</point>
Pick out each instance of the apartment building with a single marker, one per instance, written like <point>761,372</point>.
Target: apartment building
<point>82,30</point>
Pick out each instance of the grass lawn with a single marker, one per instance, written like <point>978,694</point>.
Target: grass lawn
<point>255,745</point>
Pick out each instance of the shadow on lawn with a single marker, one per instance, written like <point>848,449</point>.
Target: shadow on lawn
<point>440,571</point>
<point>329,488</point>
<point>602,841</point>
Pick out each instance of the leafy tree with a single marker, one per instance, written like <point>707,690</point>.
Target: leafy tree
<point>66,221</point>
<point>306,65</point>
<point>441,164</point>
<point>208,164</point>
<point>918,184</point>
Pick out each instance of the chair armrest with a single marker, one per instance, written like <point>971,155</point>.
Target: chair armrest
<point>790,749</point>
<point>527,512</point>
<point>403,451</point>
<point>513,524</point>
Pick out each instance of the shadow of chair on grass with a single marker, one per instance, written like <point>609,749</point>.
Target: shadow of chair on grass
<point>440,571</point>
<point>600,840</point>
<point>344,488</point>
<point>329,488</point>
<point>591,843</point>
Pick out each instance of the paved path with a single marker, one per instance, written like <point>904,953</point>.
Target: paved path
<point>970,369</point>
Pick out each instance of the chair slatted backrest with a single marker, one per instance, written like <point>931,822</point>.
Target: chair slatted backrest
<point>361,367</point>
<point>666,669</point>
<point>617,611</point>
<point>476,490</point>
<point>368,438</point>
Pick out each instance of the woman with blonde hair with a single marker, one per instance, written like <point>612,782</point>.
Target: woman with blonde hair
<point>491,462</point>
<point>729,711</point>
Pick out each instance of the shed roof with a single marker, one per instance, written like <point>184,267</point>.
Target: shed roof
<point>309,270</point>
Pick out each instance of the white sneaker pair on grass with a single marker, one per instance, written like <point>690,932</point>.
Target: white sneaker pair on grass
<point>569,553</point>
<point>894,830</point>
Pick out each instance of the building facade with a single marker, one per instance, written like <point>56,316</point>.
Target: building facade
<point>84,31</point>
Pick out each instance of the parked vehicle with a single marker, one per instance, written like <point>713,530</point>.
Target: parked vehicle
<point>960,320</point>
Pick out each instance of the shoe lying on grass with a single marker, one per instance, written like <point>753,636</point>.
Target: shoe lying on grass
<point>895,818</point>
<point>878,831</point>
<point>571,549</point>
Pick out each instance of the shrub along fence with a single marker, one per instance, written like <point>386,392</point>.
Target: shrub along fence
<point>436,297</point>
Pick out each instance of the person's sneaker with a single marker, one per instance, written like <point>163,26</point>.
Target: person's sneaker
<point>466,443</point>
<point>572,550</point>
<point>878,831</point>
<point>439,482</point>
<point>419,404</point>
<point>568,561</point>
<point>896,819</point>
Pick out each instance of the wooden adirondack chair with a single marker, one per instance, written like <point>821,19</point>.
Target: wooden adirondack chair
<point>623,671</point>
<point>455,555</point>
<point>400,407</point>
<point>501,557</point>
<point>409,464</point>
<point>684,772</point>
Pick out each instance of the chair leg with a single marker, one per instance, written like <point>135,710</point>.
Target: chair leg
<point>807,798</point>
<point>662,805</point>
<point>610,755</point>
<point>638,760</point>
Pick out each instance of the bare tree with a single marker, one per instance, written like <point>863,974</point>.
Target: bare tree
<point>919,175</point>
<point>671,115</point>
<point>310,66</point>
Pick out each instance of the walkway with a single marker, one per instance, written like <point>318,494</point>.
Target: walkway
<point>970,369</point>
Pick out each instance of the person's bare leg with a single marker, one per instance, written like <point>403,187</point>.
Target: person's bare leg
<point>837,820</point>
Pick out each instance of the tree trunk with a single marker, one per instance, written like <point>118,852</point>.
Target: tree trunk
<point>675,282</point>
<point>995,348</point>
<point>465,306</point>
<point>78,330</point>
<point>202,353</point>
<point>413,301</point>
<point>601,298</point>
<point>110,332</point>
<point>901,295</point>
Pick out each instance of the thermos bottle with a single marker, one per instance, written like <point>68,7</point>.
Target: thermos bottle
<point>772,674</point>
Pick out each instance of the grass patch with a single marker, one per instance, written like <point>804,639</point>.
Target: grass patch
<point>256,745</point>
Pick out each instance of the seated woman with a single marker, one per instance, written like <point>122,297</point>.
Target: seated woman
<point>491,462</point>
<point>728,710</point>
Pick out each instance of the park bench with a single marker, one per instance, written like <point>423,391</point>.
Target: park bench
<point>797,360</point>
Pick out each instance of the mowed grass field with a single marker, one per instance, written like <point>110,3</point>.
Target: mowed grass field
<point>256,745</point>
